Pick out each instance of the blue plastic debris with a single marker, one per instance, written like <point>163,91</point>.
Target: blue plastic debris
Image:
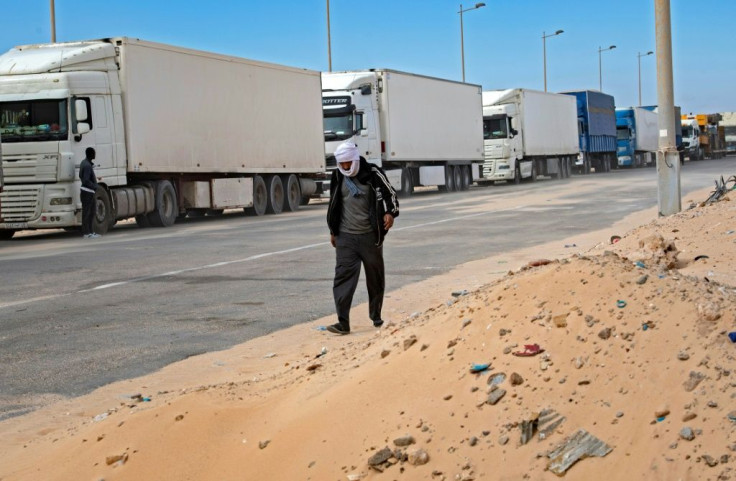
<point>479,367</point>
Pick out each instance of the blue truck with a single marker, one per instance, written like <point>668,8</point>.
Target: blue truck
<point>596,131</point>
<point>637,136</point>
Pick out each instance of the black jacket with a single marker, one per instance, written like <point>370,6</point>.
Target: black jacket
<point>383,199</point>
<point>87,175</point>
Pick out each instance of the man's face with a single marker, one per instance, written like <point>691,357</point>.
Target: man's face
<point>346,165</point>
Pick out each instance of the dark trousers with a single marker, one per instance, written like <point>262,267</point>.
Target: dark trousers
<point>88,212</point>
<point>351,251</point>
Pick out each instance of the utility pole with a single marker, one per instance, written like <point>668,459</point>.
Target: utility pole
<point>668,159</point>
<point>53,22</point>
<point>329,41</point>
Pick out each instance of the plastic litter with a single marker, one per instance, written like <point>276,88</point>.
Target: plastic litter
<point>640,264</point>
<point>570,245</point>
<point>732,336</point>
<point>615,238</point>
<point>620,304</point>
<point>697,258</point>
<point>479,367</point>
<point>321,328</point>
<point>579,446</point>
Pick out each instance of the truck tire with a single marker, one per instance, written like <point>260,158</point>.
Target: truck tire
<point>449,180</point>
<point>465,179</point>
<point>517,175</point>
<point>260,197</point>
<point>533,177</point>
<point>103,212</point>
<point>6,234</point>
<point>457,177</point>
<point>275,204</point>
<point>407,182</point>
<point>165,208</point>
<point>293,194</point>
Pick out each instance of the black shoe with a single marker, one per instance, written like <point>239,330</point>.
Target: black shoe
<point>378,323</point>
<point>338,329</point>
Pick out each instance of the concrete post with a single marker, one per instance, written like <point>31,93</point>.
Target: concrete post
<point>668,159</point>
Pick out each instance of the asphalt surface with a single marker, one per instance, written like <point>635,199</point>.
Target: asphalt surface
<point>76,314</point>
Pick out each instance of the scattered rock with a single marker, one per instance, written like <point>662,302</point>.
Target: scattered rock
<point>605,333</point>
<point>404,441</point>
<point>385,353</point>
<point>116,458</point>
<point>687,434</point>
<point>460,293</point>
<point>264,444</point>
<point>578,446</point>
<point>643,279</point>
<point>693,381</point>
<point>410,342</point>
<point>418,457</point>
<point>709,311</point>
<point>495,396</point>
<point>473,441</point>
<point>516,379</point>
<point>380,457</point>
<point>683,356</point>
<point>689,417</point>
<point>662,411</point>
<point>503,440</point>
<point>709,460</point>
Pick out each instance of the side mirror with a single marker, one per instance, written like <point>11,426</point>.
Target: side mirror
<point>80,108</point>
<point>82,128</point>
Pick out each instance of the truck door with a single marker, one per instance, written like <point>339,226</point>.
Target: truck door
<point>99,136</point>
<point>366,122</point>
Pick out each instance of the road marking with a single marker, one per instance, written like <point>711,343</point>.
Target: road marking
<point>238,261</point>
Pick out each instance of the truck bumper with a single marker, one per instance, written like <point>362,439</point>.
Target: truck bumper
<point>497,170</point>
<point>38,207</point>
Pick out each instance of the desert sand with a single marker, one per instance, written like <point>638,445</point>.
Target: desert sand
<point>634,350</point>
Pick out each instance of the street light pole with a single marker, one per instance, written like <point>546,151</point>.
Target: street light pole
<point>639,55</point>
<point>53,22</point>
<point>600,68</point>
<point>329,41</point>
<point>544,49</point>
<point>462,40</point>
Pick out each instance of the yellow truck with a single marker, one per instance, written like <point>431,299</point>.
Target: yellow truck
<point>712,137</point>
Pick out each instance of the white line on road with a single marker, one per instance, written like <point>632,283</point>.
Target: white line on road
<point>238,261</point>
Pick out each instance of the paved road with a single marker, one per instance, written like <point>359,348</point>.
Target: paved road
<point>77,314</point>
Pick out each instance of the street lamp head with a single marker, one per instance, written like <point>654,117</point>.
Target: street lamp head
<point>650,52</point>
<point>481,4</point>
<point>559,32</point>
<point>611,47</point>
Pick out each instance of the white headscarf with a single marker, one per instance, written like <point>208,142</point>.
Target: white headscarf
<point>348,152</point>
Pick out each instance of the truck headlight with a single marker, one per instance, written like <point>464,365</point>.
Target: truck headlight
<point>61,201</point>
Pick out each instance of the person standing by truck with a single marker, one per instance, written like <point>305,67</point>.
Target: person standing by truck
<point>88,189</point>
<point>363,206</point>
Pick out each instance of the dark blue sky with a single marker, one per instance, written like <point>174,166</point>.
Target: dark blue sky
<point>503,45</point>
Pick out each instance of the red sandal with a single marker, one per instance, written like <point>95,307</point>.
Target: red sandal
<point>529,350</point>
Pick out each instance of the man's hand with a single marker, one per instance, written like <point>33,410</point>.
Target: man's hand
<point>332,240</point>
<point>388,221</point>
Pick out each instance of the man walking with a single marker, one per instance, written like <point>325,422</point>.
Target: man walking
<point>89,187</point>
<point>362,209</point>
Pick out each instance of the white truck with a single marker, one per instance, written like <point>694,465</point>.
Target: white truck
<point>528,133</point>
<point>423,131</point>
<point>691,139</point>
<point>176,131</point>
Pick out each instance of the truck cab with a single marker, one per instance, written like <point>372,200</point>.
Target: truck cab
<point>625,138</point>
<point>502,144</point>
<point>350,112</point>
<point>55,101</point>
<point>691,139</point>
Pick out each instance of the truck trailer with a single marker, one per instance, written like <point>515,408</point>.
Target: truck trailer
<point>637,136</point>
<point>679,144</point>
<point>728,123</point>
<point>596,130</point>
<point>423,131</point>
<point>528,133</point>
<point>176,132</point>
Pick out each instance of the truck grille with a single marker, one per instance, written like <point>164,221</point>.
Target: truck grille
<point>488,166</point>
<point>25,168</point>
<point>19,204</point>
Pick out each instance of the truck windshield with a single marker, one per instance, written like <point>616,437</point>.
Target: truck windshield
<point>622,133</point>
<point>687,131</point>
<point>338,127</point>
<point>33,121</point>
<point>495,128</point>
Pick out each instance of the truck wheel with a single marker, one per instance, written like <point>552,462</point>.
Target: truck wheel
<point>275,204</point>
<point>449,180</point>
<point>103,212</point>
<point>165,208</point>
<point>6,234</point>
<point>517,175</point>
<point>407,182</point>
<point>533,177</point>
<point>260,197</point>
<point>457,177</point>
<point>465,179</point>
<point>293,195</point>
